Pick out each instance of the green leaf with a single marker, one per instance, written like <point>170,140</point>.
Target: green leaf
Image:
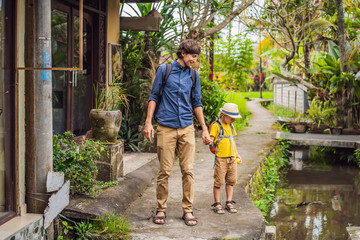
<point>269,52</point>
<point>357,76</point>
<point>334,51</point>
<point>330,61</point>
<point>298,64</point>
<point>188,12</point>
<point>215,3</point>
<point>313,70</point>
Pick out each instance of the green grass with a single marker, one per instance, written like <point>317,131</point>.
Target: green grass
<point>282,111</point>
<point>265,95</point>
<point>263,186</point>
<point>112,226</point>
<point>237,98</point>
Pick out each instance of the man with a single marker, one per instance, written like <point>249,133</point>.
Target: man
<point>177,100</point>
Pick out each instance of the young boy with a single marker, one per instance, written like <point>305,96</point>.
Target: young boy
<point>226,157</point>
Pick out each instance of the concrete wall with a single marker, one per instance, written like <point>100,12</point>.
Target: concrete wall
<point>113,28</point>
<point>290,95</point>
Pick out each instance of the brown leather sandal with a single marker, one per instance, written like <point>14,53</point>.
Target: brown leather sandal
<point>187,220</point>
<point>159,218</point>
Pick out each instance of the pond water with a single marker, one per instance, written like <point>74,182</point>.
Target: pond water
<point>316,202</point>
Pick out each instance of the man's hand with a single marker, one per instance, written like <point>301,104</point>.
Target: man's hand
<point>148,131</point>
<point>205,132</point>
<point>148,128</point>
<point>206,137</point>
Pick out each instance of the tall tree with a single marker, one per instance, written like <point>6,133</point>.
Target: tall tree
<point>195,16</point>
<point>293,26</point>
<point>234,60</point>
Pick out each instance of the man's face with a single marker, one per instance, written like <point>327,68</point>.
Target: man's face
<point>189,59</point>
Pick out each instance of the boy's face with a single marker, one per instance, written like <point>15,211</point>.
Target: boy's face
<point>228,119</point>
<point>189,59</point>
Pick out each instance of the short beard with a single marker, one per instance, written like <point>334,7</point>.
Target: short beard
<point>186,66</point>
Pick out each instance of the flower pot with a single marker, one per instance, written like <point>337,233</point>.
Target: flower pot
<point>316,128</point>
<point>296,127</point>
<point>336,130</point>
<point>105,125</point>
<point>300,127</point>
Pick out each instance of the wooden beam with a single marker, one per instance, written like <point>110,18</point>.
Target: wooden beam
<point>149,23</point>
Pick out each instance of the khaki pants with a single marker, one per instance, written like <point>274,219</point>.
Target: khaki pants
<point>225,171</point>
<point>167,140</point>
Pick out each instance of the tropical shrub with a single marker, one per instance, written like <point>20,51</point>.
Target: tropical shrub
<point>321,112</point>
<point>327,75</point>
<point>141,54</point>
<point>137,85</point>
<point>77,161</point>
<point>212,95</point>
<point>129,134</point>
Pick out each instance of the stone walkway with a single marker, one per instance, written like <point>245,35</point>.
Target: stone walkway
<point>254,144</point>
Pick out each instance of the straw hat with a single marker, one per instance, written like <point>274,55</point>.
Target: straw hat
<point>231,109</point>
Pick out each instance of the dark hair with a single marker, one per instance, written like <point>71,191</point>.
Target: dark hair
<point>188,46</point>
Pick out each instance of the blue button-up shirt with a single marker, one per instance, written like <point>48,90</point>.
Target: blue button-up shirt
<point>175,109</point>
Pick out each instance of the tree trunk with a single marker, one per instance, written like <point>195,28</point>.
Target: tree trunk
<point>307,60</point>
<point>343,59</point>
<point>341,34</point>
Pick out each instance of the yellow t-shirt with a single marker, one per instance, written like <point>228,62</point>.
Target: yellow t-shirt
<point>224,147</point>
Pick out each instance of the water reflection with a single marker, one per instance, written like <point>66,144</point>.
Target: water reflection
<point>316,202</point>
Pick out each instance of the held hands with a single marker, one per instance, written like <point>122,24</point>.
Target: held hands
<point>148,131</point>
<point>206,137</point>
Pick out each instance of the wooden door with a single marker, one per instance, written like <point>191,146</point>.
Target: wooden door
<point>72,91</point>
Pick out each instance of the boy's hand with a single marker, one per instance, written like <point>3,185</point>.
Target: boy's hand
<point>238,158</point>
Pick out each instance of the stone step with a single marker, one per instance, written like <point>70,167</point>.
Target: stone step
<point>28,226</point>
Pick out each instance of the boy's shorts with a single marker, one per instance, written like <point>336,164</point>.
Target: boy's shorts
<point>225,171</point>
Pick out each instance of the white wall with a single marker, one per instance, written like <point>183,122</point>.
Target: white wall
<point>290,95</point>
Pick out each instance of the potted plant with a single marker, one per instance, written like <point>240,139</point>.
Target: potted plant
<point>320,113</point>
<point>297,124</point>
<point>105,119</point>
<point>335,129</point>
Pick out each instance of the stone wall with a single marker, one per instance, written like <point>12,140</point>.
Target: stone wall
<point>111,167</point>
